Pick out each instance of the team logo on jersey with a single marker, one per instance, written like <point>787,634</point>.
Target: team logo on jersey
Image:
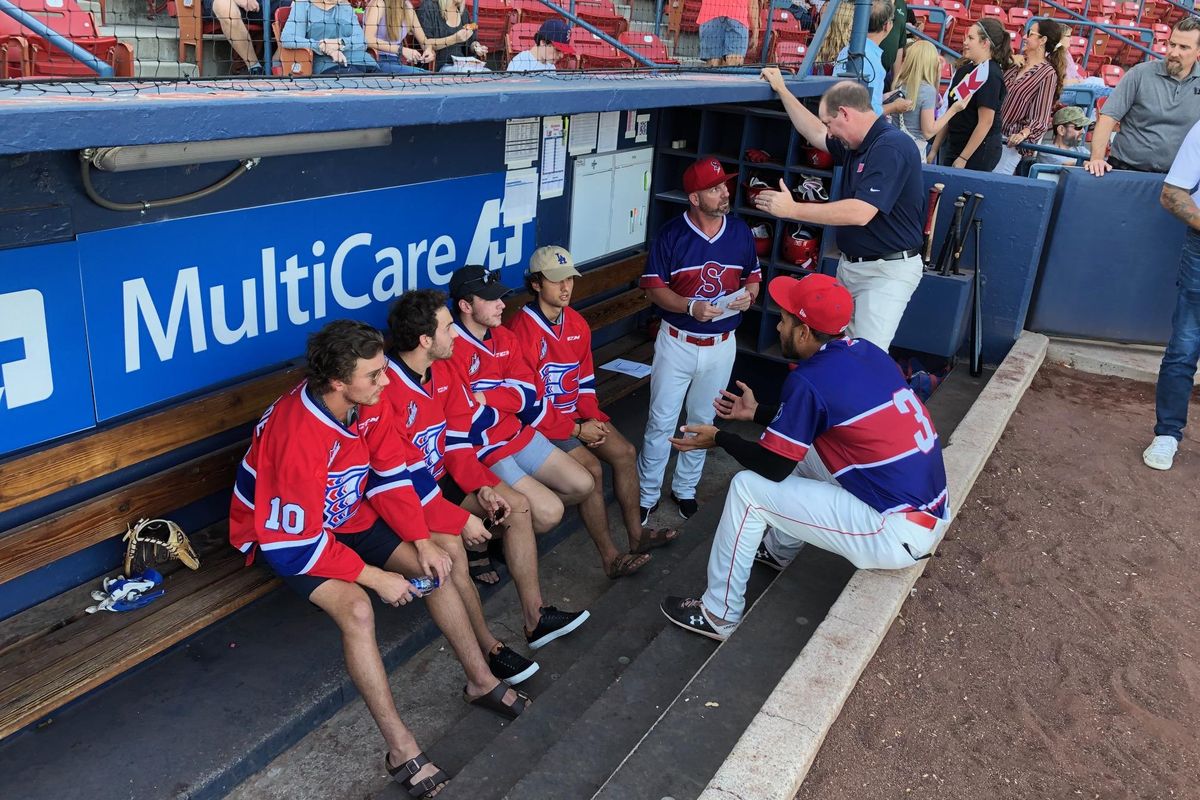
<point>710,281</point>
<point>333,451</point>
<point>427,442</point>
<point>474,364</point>
<point>343,493</point>
<point>542,347</point>
<point>412,413</point>
<point>562,384</point>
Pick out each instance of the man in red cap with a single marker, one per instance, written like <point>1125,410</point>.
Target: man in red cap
<point>550,43</point>
<point>702,273</point>
<point>849,461</point>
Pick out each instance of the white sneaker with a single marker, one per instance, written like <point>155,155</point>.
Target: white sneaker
<point>1161,452</point>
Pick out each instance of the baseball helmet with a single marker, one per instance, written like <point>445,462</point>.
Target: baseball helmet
<point>816,158</point>
<point>762,239</point>
<point>802,248</point>
<point>753,186</point>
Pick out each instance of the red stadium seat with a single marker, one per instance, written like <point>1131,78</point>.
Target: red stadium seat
<point>996,12</point>
<point>1112,74</point>
<point>602,14</point>
<point>16,56</point>
<point>519,38</point>
<point>790,54</point>
<point>1017,17</point>
<point>494,19</point>
<point>29,54</point>
<point>648,45</point>
<point>532,11</point>
<point>592,52</point>
<point>1132,10</point>
<point>294,63</point>
<point>1161,32</point>
<point>783,24</point>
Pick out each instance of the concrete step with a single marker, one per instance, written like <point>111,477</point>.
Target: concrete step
<point>164,69</point>
<point>643,11</point>
<point>687,45</point>
<point>150,42</point>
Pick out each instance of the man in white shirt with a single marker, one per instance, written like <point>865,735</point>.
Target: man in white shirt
<point>550,43</point>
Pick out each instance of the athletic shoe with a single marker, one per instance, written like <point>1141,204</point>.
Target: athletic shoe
<point>255,71</point>
<point>687,505</point>
<point>510,666</point>
<point>553,624</point>
<point>811,190</point>
<point>689,614</point>
<point>763,556</point>
<point>646,512</point>
<point>1161,452</point>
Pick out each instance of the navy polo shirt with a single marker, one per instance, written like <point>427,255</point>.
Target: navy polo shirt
<point>884,171</point>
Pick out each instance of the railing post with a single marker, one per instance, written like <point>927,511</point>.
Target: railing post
<point>658,12</point>
<point>818,38</point>
<point>268,68</point>
<point>856,51</point>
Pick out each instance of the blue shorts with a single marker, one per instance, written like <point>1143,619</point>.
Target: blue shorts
<point>375,546</point>
<point>525,461</point>
<point>568,444</point>
<point>722,37</point>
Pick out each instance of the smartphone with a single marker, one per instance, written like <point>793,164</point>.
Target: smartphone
<point>894,96</point>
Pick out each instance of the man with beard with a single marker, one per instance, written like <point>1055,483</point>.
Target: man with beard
<point>1156,102</point>
<point>881,212</point>
<point>702,272</point>
<point>1070,124</point>
<point>849,461</point>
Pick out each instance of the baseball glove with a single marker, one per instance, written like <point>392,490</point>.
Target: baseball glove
<point>156,541</point>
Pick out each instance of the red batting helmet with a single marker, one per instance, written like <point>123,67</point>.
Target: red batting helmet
<point>816,158</point>
<point>762,239</point>
<point>802,248</point>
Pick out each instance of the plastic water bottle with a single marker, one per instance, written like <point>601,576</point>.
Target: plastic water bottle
<point>425,584</point>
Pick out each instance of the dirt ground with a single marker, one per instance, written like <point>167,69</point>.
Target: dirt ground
<point>1053,649</point>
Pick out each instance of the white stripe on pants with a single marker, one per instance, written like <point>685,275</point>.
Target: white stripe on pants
<point>881,290</point>
<point>807,507</point>
<point>679,372</point>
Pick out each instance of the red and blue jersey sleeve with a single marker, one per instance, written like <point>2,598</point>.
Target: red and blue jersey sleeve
<point>461,456</point>
<point>801,417</point>
<point>660,262</point>
<point>390,488</point>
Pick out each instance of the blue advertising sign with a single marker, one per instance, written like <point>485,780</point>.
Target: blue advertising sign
<point>45,390</point>
<point>176,306</point>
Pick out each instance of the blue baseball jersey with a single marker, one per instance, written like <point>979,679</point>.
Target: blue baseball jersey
<point>851,403</point>
<point>690,264</point>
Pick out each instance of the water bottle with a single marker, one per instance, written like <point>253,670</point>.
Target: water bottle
<point>425,584</point>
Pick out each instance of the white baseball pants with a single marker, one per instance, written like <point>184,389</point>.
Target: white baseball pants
<point>807,507</point>
<point>681,374</point>
<point>881,290</point>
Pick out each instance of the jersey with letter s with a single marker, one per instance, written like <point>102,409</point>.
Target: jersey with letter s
<point>690,264</point>
<point>869,429</point>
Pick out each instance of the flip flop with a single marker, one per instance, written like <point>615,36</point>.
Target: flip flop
<point>480,565</point>
<point>406,773</point>
<point>626,564</point>
<point>654,537</point>
<point>494,701</point>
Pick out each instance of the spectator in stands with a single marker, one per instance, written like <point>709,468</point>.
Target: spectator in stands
<point>1156,102</point>
<point>330,28</point>
<point>728,28</point>
<point>972,139</point>
<point>836,37</point>
<point>550,43</point>
<point>1070,124</point>
<point>879,25</point>
<point>231,16</point>
<point>1031,90</point>
<point>1178,369</point>
<point>388,23</point>
<point>558,345</point>
<point>451,36</point>
<point>919,77</point>
<point>895,43</point>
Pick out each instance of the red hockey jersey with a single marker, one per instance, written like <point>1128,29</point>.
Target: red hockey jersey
<point>436,417</point>
<point>561,355</point>
<point>306,477</point>
<point>496,367</point>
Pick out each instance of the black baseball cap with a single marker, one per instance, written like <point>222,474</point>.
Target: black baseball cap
<point>476,281</point>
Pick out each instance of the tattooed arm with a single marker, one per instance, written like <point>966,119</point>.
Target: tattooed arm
<point>1180,203</point>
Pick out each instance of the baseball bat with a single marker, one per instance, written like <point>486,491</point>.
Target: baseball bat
<point>935,201</point>
<point>966,230</point>
<point>951,242</point>
<point>977,310</point>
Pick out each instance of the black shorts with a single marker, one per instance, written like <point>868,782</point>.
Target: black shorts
<point>375,546</point>
<point>451,490</point>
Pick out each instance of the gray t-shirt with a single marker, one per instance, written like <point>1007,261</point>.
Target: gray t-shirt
<point>910,121</point>
<point>1155,111</point>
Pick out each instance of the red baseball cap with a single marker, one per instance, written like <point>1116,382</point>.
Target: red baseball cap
<point>818,300</point>
<point>705,173</point>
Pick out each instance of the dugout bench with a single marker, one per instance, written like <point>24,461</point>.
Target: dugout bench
<point>55,652</point>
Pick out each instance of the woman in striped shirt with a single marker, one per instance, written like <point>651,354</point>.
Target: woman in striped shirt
<point>1032,89</point>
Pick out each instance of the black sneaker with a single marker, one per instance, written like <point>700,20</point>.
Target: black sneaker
<point>763,556</point>
<point>646,512</point>
<point>687,505</point>
<point>256,71</point>
<point>688,613</point>
<point>510,666</point>
<point>553,624</point>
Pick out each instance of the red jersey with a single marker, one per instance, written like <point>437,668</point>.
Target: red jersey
<point>561,356</point>
<point>496,367</point>
<point>435,415</point>
<point>307,476</point>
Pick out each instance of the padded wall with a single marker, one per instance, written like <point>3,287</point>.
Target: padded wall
<point>1111,261</point>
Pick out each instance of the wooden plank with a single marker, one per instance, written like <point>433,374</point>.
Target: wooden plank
<point>616,308</point>
<point>40,474</point>
<point>612,386</point>
<point>48,539</point>
<point>145,635</point>
<point>590,283</point>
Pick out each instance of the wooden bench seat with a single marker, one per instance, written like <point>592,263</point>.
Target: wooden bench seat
<point>55,652</point>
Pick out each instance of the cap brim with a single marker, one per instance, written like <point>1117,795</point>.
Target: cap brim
<point>564,48</point>
<point>780,291</point>
<point>492,291</point>
<point>557,273</point>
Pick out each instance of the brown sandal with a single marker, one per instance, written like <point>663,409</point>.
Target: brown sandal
<point>652,538</point>
<point>626,564</point>
<point>406,773</point>
<point>494,701</point>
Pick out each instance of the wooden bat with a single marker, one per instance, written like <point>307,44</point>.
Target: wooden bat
<point>977,310</point>
<point>966,230</point>
<point>935,200</point>
<point>950,244</point>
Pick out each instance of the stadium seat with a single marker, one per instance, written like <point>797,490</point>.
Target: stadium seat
<point>1161,32</point>
<point>1132,10</point>
<point>592,52</point>
<point>790,54</point>
<point>1018,16</point>
<point>783,24</point>
<point>531,11</point>
<point>1111,73</point>
<point>648,45</point>
<point>602,14</point>
<point>519,39</point>
<point>996,12</point>
<point>38,57</point>
<point>293,63</point>
<point>495,16</point>
<point>16,57</point>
